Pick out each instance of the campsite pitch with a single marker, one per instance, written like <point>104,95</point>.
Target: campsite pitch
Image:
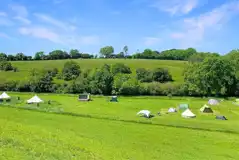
<point>100,129</point>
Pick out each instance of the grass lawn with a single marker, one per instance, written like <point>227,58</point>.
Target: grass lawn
<point>113,131</point>
<point>175,67</point>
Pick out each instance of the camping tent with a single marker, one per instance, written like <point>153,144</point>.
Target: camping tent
<point>188,114</point>
<point>172,110</point>
<point>114,99</point>
<point>4,96</point>
<point>213,102</point>
<point>183,106</point>
<point>34,99</point>
<point>84,97</point>
<point>206,109</point>
<point>221,117</point>
<point>145,113</point>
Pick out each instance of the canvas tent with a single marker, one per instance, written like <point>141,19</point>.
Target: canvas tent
<point>221,118</point>
<point>34,99</point>
<point>114,99</point>
<point>4,96</point>
<point>183,106</point>
<point>206,109</point>
<point>84,97</point>
<point>188,114</point>
<point>213,102</point>
<point>172,110</point>
<point>145,113</point>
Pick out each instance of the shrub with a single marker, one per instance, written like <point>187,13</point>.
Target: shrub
<point>144,75</point>
<point>119,79</point>
<point>161,75</point>
<point>5,65</point>
<point>70,71</point>
<point>120,68</point>
<point>130,87</point>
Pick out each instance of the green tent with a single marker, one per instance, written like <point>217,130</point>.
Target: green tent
<point>114,99</point>
<point>183,107</point>
<point>206,109</point>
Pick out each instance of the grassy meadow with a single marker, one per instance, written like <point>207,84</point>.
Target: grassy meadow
<point>175,67</point>
<point>100,129</point>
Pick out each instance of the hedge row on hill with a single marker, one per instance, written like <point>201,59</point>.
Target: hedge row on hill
<point>108,52</point>
<point>212,76</point>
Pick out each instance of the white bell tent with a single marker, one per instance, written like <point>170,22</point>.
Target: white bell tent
<point>188,114</point>
<point>144,112</point>
<point>34,99</point>
<point>4,95</point>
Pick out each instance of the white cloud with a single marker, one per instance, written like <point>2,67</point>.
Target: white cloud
<point>195,29</point>
<point>175,6</point>
<point>55,22</point>
<point>149,41</point>
<point>19,10</point>
<point>40,32</point>
<point>4,35</point>
<point>23,20</point>
<point>3,14</point>
<point>60,38</point>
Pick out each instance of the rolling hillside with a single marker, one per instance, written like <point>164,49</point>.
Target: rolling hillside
<point>175,67</point>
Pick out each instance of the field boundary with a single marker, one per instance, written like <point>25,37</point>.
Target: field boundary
<point>120,120</point>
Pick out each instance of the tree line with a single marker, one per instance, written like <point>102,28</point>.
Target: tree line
<point>108,52</point>
<point>212,76</point>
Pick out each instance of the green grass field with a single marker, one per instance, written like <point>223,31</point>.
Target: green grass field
<point>103,130</point>
<point>175,67</point>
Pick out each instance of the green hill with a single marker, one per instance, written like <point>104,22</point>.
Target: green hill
<point>175,67</point>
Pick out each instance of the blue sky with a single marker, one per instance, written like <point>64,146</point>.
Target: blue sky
<point>44,25</point>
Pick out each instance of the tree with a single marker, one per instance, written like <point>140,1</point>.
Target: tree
<point>74,54</point>
<point>161,75</point>
<point>120,68</point>
<point>125,49</point>
<point>40,81</point>
<point>102,81</point>
<point>3,56</point>
<point>144,75</point>
<point>58,54</point>
<point>71,70</point>
<point>39,55</point>
<point>5,65</point>
<point>107,51</point>
<point>11,57</point>
<point>20,57</point>
<point>213,76</point>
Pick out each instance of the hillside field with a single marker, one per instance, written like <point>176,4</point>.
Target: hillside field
<point>100,129</point>
<point>175,67</point>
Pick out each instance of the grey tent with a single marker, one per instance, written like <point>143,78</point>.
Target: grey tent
<point>114,99</point>
<point>213,102</point>
<point>221,118</point>
<point>84,97</point>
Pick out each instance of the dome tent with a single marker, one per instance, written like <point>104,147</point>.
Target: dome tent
<point>213,102</point>
<point>145,113</point>
<point>172,110</point>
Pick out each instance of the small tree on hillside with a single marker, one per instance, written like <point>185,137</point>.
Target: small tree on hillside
<point>71,70</point>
